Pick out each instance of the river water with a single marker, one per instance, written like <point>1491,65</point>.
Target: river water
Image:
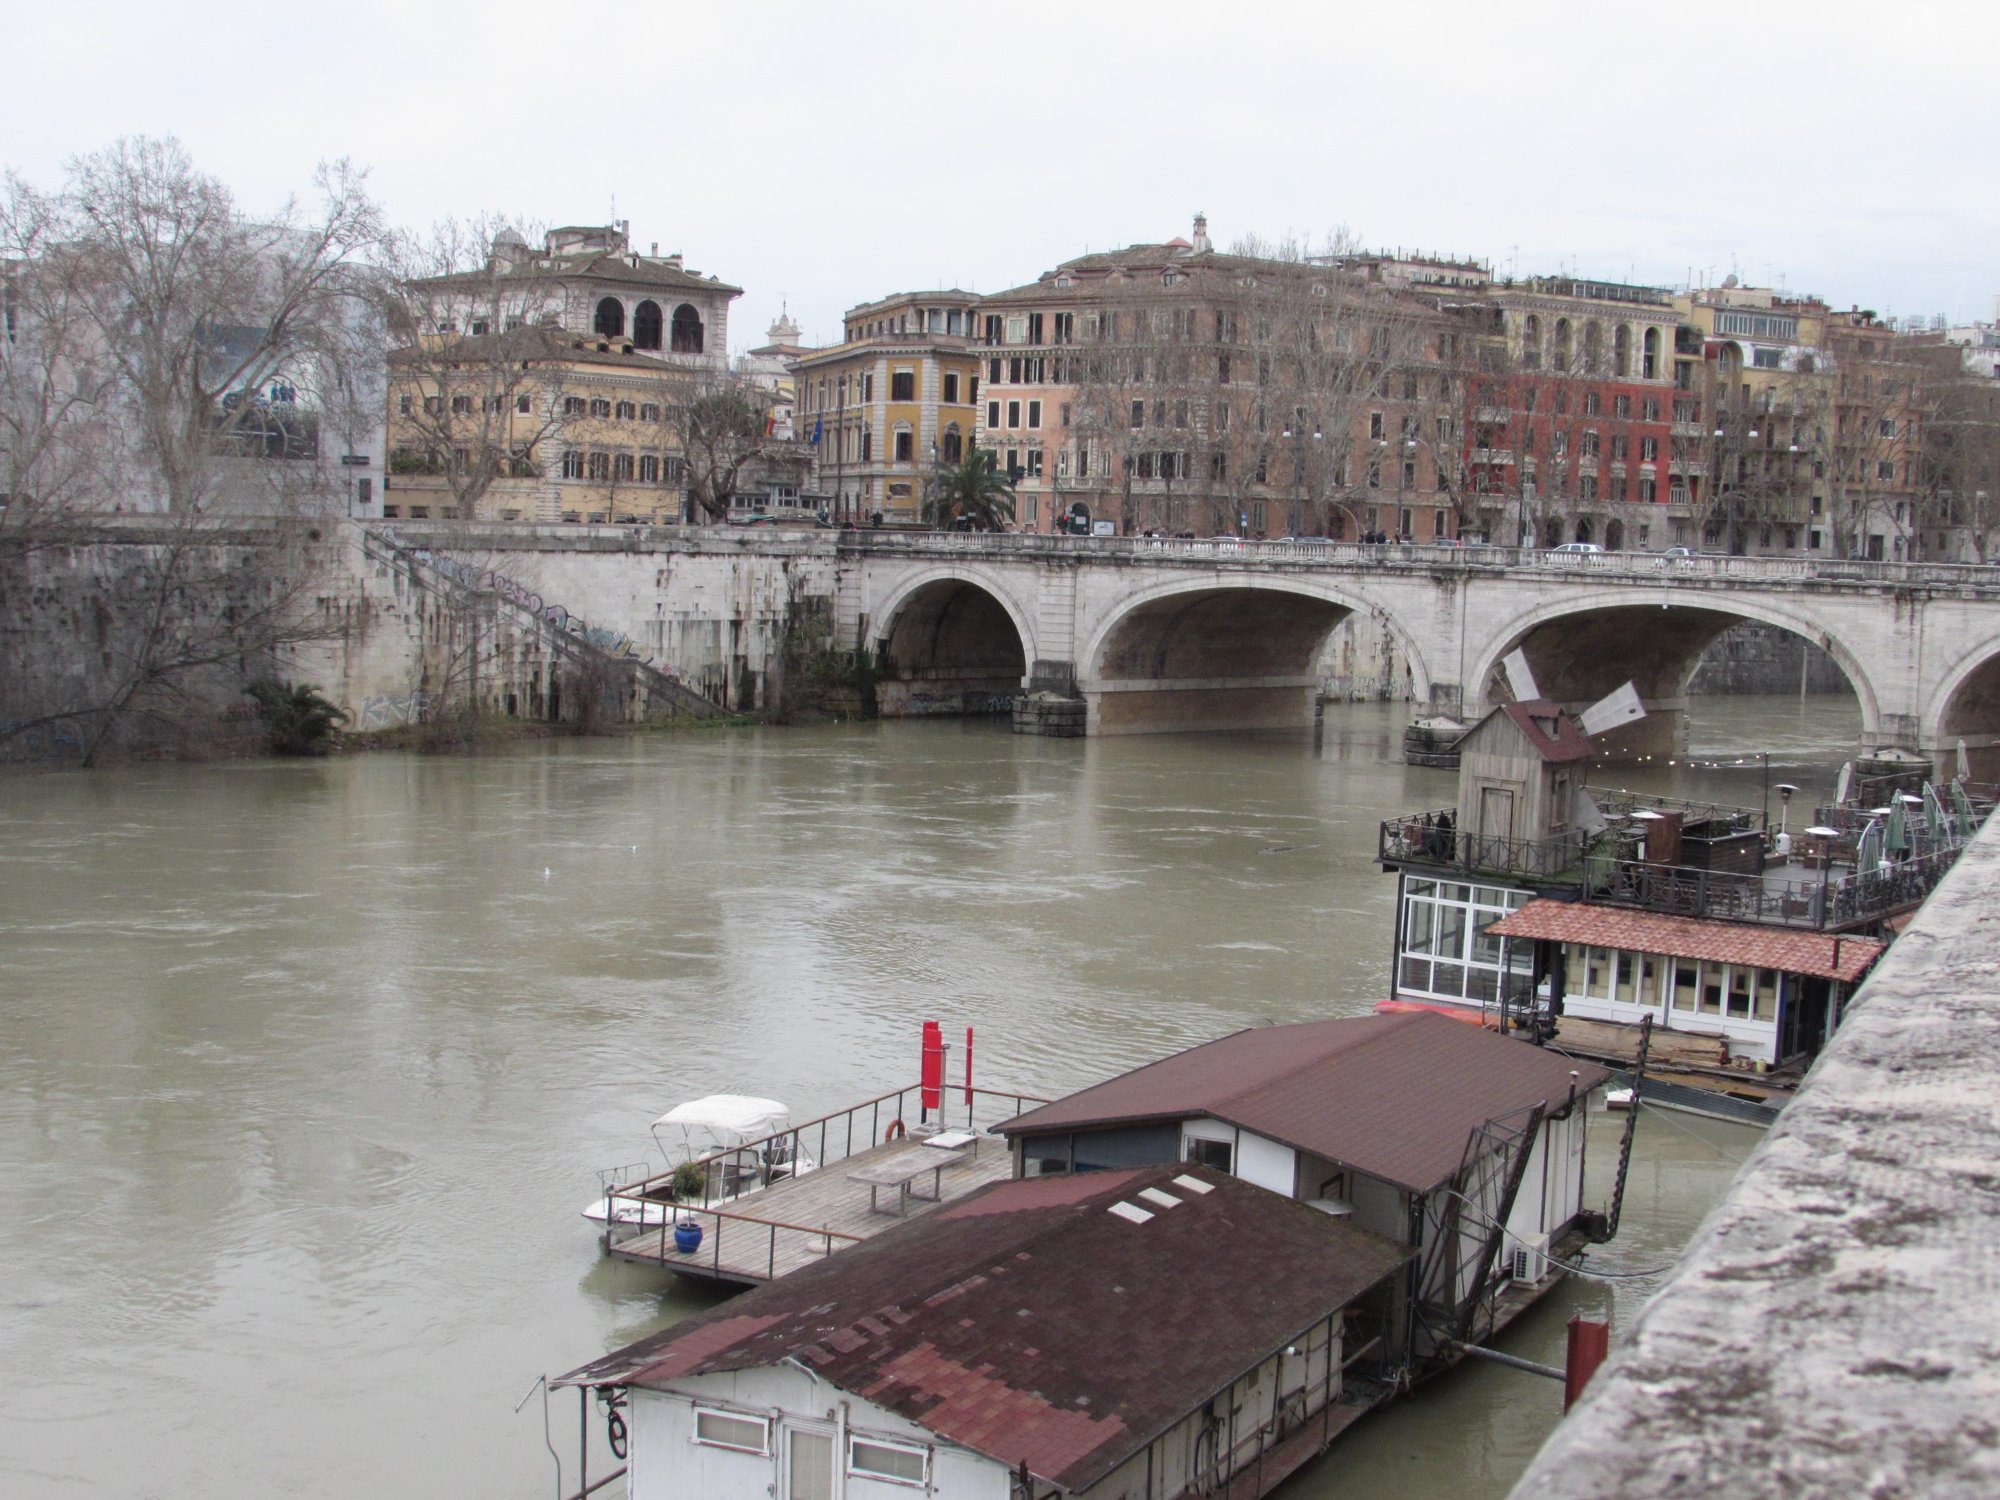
<point>306,1068</point>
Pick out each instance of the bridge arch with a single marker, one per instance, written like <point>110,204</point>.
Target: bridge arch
<point>1221,651</point>
<point>1582,646</point>
<point>1965,705</point>
<point>950,640</point>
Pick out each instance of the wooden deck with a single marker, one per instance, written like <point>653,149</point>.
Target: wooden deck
<point>804,1219</point>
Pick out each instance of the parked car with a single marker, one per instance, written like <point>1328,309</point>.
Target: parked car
<point>1576,548</point>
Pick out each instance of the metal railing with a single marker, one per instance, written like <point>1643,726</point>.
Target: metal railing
<point>1419,838</point>
<point>1816,902</point>
<point>712,1221</point>
<point>732,1171</point>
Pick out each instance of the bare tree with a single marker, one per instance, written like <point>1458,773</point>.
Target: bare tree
<point>198,351</point>
<point>1960,452</point>
<point>477,373</point>
<point>725,434</point>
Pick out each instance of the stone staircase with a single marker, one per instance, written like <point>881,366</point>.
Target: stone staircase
<point>635,688</point>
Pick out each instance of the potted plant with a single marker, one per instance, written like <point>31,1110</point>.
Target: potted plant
<point>690,1184</point>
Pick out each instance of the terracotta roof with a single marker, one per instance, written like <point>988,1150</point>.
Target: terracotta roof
<point>1394,1096</point>
<point>590,265</point>
<point>1693,937</point>
<point>1028,1322</point>
<point>1552,732</point>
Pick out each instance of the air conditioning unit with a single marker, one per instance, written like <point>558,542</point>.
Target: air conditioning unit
<point>1529,1263</point>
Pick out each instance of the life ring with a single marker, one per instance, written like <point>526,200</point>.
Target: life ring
<point>614,1429</point>
<point>895,1132</point>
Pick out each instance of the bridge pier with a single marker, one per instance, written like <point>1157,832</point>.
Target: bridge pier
<point>943,691</point>
<point>1184,705</point>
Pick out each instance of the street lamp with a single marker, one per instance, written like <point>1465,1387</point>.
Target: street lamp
<point>1735,501</point>
<point>1298,441</point>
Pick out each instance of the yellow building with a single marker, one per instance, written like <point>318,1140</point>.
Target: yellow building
<point>1752,388</point>
<point>894,399</point>
<point>534,425</point>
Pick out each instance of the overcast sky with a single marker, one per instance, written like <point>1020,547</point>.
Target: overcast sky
<point>826,154</point>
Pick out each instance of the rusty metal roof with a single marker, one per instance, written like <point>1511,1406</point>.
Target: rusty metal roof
<point>1030,1322</point>
<point>1553,733</point>
<point>1393,1096</point>
<point>1824,955</point>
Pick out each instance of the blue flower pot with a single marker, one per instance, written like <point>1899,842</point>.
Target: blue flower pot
<point>687,1236</point>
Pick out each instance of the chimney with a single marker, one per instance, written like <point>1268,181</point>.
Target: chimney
<point>1200,233</point>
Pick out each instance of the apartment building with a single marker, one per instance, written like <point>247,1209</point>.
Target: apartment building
<point>893,400</point>
<point>1572,436</point>
<point>1170,387</point>
<point>548,384</point>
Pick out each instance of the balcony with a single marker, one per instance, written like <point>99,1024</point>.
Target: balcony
<point>1418,839</point>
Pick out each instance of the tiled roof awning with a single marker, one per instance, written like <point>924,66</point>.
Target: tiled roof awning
<point>1821,954</point>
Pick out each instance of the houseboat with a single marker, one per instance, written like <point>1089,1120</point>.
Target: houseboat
<point>1462,1145</point>
<point>1540,905</point>
<point>1194,1277</point>
<point>1088,1335</point>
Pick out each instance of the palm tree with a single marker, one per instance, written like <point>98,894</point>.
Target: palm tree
<point>970,496</point>
<point>298,719</point>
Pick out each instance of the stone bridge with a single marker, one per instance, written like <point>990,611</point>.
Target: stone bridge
<point>1174,635</point>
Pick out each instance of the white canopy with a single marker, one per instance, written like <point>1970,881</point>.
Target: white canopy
<point>730,1114</point>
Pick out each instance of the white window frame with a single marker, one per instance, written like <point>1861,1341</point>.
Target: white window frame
<point>761,1423</point>
<point>856,1440</point>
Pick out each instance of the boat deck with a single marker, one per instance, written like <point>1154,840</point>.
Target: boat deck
<point>804,1219</point>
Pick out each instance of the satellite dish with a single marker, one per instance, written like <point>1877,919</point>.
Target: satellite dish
<point>1519,678</point>
<point>1619,707</point>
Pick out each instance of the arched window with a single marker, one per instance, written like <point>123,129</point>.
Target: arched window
<point>1621,351</point>
<point>1561,350</point>
<point>647,325</point>
<point>610,322</point>
<point>1649,367</point>
<point>1531,342</point>
<point>953,450</point>
<point>1583,529</point>
<point>687,330</point>
<point>1614,536</point>
<point>1593,347</point>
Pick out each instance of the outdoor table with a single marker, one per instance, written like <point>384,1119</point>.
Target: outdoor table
<point>954,1140</point>
<point>901,1173</point>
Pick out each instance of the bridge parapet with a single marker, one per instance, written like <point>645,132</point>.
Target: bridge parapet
<point>1474,560</point>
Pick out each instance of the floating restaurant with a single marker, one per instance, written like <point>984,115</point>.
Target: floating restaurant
<point>1540,905</point>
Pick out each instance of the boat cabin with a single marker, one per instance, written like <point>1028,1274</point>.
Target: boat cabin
<point>1086,1335</point>
<point>1767,994</point>
<point>1521,771</point>
<point>1427,1131</point>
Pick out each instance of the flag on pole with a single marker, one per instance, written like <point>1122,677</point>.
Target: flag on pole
<point>816,427</point>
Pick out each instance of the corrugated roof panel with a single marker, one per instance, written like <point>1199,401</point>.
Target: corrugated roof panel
<point>1394,1096</point>
<point>1093,1341</point>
